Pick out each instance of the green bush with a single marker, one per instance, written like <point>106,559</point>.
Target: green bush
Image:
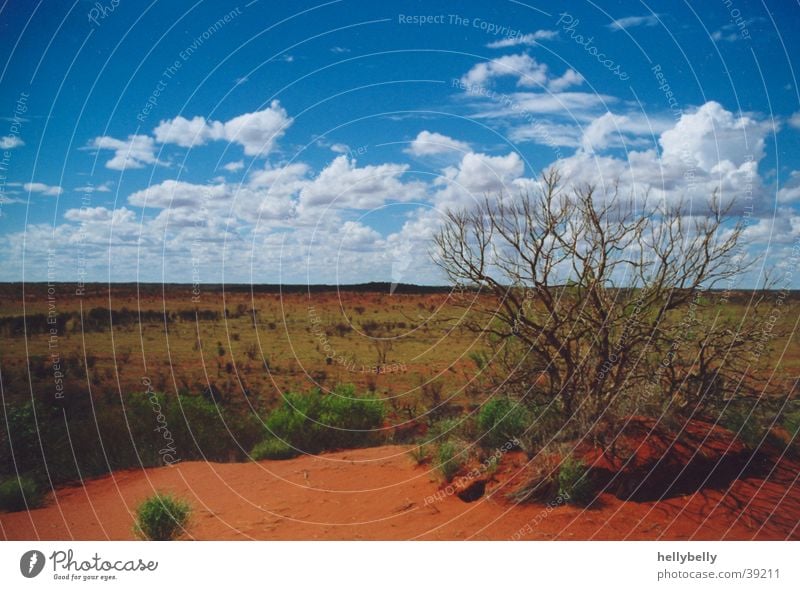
<point>790,420</point>
<point>161,517</point>
<point>450,458</point>
<point>421,454</point>
<point>501,420</point>
<point>749,428</point>
<point>442,430</point>
<point>574,483</point>
<point>20,493</point>
<point>272,448</point>
<point>314,422</point>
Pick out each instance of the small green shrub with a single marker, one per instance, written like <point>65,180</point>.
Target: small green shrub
<point>421,454</point>
<point>450,458</point>
<point>574,484</point>
<point>790,420</point>
<point>20,493</point>
<point>272,448</point>
<point>161,517</point>
<point>746,424</point>
<point>501,420</point>
<point>314,422</point>
<point>442,430</point>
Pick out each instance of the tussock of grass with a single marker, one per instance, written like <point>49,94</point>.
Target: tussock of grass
<point>162,517</point>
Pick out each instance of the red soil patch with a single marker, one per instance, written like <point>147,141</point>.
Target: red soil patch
<point>379,493</point>
<point>646,461</point>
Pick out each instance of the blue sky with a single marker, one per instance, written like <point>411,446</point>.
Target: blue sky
<point>303,142</point>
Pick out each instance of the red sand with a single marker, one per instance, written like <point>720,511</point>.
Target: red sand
<point>379,493</point>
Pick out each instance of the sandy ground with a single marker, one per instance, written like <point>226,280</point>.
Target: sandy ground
<point>380,493</point>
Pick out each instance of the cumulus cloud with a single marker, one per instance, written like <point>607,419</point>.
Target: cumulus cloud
<point>431,143</point>
<point>233,166</point>
<point>9,142</point>
<point>188,132</point>
<point>712,135</point>
<point>548,133</point>
<point>527,71</point>
<point>104,187</point>
<point>629,22</point>
<point>790,192</point>
<point>707,150</point>
<point>343,184</point>
<point>134,152</point>
<point>570,78</point>
<point>45,189</point>
<point>629,131</point>
<point>573,105</point>
<point>528,40</point>
<point>357,236</point>
<point>477,175</point>
<point>99,214</point>
<point>177,193</point>
<point>521,66</point>
<point>270,194</point>
<point>256,132</point>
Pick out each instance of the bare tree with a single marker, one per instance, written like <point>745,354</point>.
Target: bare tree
<point>594,299</point>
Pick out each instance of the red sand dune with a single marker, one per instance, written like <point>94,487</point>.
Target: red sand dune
<point>380,493</point>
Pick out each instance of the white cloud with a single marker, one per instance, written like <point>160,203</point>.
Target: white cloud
<point>97,214</point>
<point>427,144</point>
<point>270,194</point>
<point>629,131</point>
<point>337,49</point>
<point>477,175</point>
<point>527,71</point>
<point>233,166</point>
<point>188,132</point>
<point>523,67</point>
<point>707,150</point>
<point>545,132</point>
<point>343,184</point>
<point>6,200</point>
<point>529,39</point>
<point>570,78</point>
<point>357,236</point>
<point>45,189</point>
<point>9,142</point>
<point>177,193</point>
<point>720,36</point>
<point>794,120</point>
<point>628,22</point>
<point>711,135</point>
<point>105,187</point>
<point>257,132</point>
<point>284,181</point>
<point>134,152</point>
<point>790,192</point>
<point>576,105</point>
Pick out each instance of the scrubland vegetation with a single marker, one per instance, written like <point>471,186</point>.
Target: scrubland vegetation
<point>644,322</point>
